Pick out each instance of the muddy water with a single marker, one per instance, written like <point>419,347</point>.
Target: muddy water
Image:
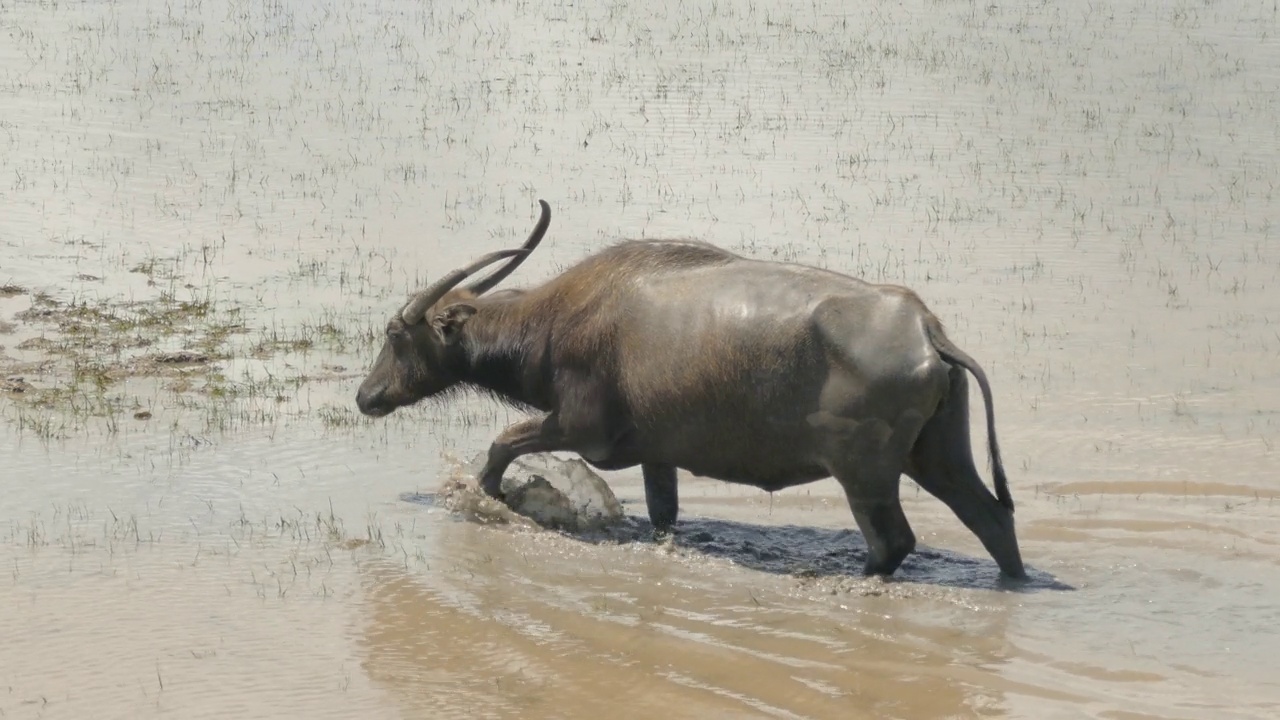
<point>1085,194</point>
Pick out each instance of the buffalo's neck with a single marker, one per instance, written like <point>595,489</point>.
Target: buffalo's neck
<point>502,362</point>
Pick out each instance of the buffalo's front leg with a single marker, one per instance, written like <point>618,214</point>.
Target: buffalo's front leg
<point>660,495</point>
<point>529,436</point>
<point>589,426</point>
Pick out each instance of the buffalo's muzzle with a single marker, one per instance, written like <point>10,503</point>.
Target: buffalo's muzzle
<point>370,402</point>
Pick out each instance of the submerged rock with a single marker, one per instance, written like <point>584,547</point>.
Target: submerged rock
<point>539,489</point>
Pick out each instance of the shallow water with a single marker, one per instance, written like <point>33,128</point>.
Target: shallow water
<point>1084,194</point>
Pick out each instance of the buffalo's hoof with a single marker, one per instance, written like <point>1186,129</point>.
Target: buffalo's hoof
<point>494,490</point>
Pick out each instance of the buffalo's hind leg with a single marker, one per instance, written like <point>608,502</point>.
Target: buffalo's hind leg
<point>661,496</point>
<point>884,526</point>
<point>942,464</point>
<point>868,464</point>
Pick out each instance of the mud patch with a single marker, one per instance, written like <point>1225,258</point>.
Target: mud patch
<point>830,561</point>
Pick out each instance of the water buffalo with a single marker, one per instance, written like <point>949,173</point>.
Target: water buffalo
<point>678,354</point>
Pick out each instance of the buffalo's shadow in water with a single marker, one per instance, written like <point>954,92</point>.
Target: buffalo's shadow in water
<point>804,551</point>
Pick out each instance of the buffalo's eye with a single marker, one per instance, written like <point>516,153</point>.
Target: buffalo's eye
<point>396,335</point>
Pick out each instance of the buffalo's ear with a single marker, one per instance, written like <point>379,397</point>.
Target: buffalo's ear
<point>448,322</point>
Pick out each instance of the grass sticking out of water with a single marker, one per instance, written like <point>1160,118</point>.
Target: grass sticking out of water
<point>122,336</point>
<point>103,361</point>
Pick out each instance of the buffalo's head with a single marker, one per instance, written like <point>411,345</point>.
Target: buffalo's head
<point>419,353</point>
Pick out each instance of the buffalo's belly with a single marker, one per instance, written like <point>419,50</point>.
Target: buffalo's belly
<point>771,479</point>
<point>742,453</point>
<point>771,476</point>
<point>770,459</point>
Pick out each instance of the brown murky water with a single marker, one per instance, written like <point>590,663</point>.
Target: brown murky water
<point>1085,192</point>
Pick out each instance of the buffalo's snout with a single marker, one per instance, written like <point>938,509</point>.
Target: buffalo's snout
<point>370,400</point>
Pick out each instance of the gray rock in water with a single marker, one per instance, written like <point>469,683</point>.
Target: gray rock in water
<point>543,503</point>
<point>554,493</point>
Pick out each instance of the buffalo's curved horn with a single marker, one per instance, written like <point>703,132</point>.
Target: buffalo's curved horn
<point>417,307</point>
<point>485,284</point>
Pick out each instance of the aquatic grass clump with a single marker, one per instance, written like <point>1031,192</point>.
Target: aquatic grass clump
<point>91,361</point>
<point>90,330</point>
